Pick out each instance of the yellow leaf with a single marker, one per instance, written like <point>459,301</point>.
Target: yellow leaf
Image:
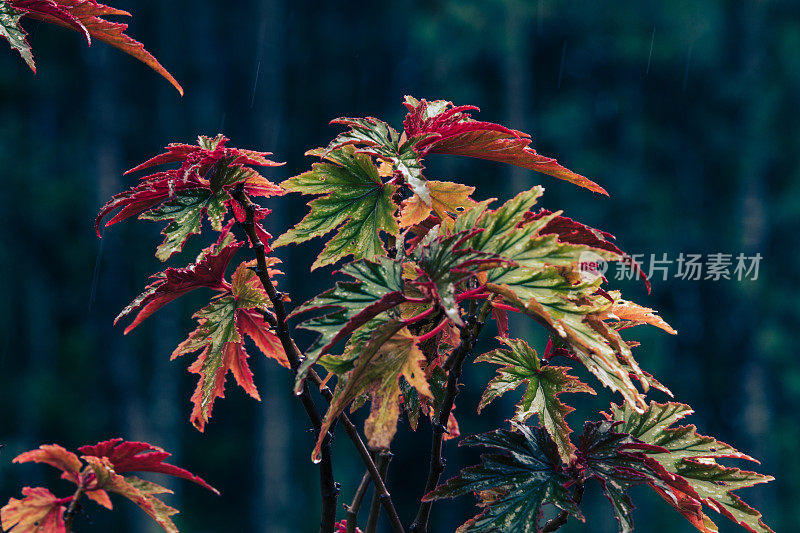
<point>447,198</point>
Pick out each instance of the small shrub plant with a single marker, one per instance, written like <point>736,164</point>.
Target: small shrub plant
<point>425,266</point>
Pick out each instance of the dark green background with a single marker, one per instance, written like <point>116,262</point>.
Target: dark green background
<point>686,111</point>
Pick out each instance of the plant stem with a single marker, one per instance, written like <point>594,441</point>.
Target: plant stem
<point>363,452</point>
<point>374,509</point>
<point>453,365</point>
<point>329,488</point>
<point>555,523</point>
<point>295,357</point>
<point>352,510</point>
<point>69,515</point>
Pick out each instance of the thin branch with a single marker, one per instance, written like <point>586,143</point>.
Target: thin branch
<point>72,510</point>
<point>352,510</point>
<point>363,452</point>
<point>555,523</point>
<point>328,487</point>
<point>453,365</point>
<point>374,509</point>
<point>295,357</point>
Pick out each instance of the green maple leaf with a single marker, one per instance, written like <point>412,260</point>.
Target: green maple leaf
<point>540,275</point>
<point>374,137</point>
<point>14,34</point>
<point>378,287</point>
<point>185,213</point>
<point>514,484</point>
<point>390,353</point>
<point>575,314</point>
<point>506,233</point>
<point>693,457</point>
<point>521,365</point>
<point>357,204</point>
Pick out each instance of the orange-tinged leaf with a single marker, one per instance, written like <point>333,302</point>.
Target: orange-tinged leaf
<point>89,13</point>
<point>140,492</point>
<point>100,497</point>
<point>453,431</point>
<point>390,352</point>
<point>253,325</point>
<point>635,314</point>
<point>690,508</point>
<point>447,198</point>
<point>55,456</point>
<point>385,169</point>
<point>38,512</point>
<point>41,512</point>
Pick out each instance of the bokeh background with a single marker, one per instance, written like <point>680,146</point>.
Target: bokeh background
<point>686,111</point>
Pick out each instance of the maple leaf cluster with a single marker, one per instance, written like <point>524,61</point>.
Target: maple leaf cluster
<point>201,187</point>
<point>429,266</point>
<point>508,260</point>
<point>526,473</point>
<point>425,256</point>
<point>96,473</point>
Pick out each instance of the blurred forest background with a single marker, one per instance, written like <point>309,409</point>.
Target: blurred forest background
<point>686,111</point>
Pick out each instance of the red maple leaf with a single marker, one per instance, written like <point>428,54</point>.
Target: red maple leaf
<point>208,271</point>
<point>86,17</point>
<point>197,162</point>
<point>41,8</point>
<point>149,193</point>
<point>448,129</point>
<point>199,158</point>
<point>140,457</point>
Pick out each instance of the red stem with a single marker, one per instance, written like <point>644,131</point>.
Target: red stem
<point>434,331</point>
<point>470,293</point>
<point>420,316</point>
<point>548,348</point>
<point>505,307</point>
<point>464,296</point>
